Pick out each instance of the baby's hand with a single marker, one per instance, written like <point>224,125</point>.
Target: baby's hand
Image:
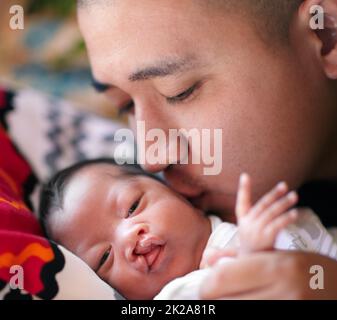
<point>260,224</point>
<point>212,255</point>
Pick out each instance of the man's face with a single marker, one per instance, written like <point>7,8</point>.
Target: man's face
<point>185,65</point>
<point>136,233</point>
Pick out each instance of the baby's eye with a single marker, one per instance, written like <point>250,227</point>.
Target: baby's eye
<point>133,208</point>
<point>104,258</point>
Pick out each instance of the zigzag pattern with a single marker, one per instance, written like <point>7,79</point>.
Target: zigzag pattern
<point>8,259</point>
<point>78,136</point>
<point>53,135</point>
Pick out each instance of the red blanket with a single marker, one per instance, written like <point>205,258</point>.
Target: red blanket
<point>22,244</point>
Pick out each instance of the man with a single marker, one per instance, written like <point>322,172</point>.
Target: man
<point>253,68</point>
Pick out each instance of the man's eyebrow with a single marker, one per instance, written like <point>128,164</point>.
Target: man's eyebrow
<point>162,69</point>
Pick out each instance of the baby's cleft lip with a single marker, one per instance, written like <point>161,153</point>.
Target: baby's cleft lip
<point>147,251</point>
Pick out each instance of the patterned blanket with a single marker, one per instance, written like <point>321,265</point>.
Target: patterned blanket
<point>31,266</point>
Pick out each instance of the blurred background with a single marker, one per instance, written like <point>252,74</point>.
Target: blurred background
<point>48,54</point>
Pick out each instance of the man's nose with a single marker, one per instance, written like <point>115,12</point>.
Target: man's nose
<point>158,142</point>
<point>155,161</point>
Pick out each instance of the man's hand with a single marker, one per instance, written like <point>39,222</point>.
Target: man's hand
<point>260,224</point>
<point>270,275</point>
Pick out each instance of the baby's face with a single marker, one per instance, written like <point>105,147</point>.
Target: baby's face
<point>136,233</point>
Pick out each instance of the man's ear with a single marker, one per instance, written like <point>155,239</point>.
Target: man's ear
<point>323,25</point>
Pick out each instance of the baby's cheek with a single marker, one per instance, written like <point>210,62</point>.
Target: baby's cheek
<point>141,289</point>
<point>132,284</point>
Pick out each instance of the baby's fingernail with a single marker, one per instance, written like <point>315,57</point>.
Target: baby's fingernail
<point>282,186</point>
<point>292,196</point>
<point>244,177</point>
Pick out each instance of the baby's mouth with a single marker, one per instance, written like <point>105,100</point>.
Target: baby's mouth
<point>148,250</point>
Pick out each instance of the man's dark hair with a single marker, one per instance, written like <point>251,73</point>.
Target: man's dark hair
<point>51,195</point>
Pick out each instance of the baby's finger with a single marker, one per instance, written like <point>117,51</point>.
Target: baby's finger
<point>273,229</point>
<point>267,200</point>
<point>278,208</point>
<point>243,201</point>
<point>214,255</point>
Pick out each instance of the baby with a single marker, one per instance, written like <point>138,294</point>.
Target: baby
<point>138,235</point>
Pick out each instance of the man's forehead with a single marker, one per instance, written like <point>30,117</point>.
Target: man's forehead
<point>120,42</point>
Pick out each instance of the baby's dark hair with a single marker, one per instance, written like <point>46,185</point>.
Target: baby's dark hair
<point>51,195</point>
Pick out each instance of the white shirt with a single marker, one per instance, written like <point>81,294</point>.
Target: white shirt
<point>308,234</point>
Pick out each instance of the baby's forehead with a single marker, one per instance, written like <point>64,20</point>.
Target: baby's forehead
<point>98,176</point>
<point>92,182</point>
<point>116,171</point>
<point>94,175</point>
